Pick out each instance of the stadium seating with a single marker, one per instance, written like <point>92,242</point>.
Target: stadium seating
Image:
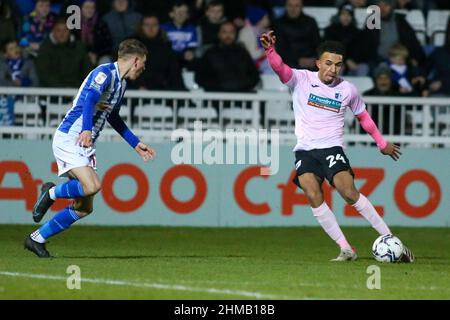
<point>436,26</point>
<point>360,17</point>
<point>361,83</point>
<point>271,82</point>
<point>125,112</point>
<point>55,113</point>
<point>237,118</point>
<point>155,117</point>
<point>421,121</point>
<point>414,17</point>
<point>323,15</point>
<point>443,121</point>
<point>189,80</point>
<point>27,114</point>
<point>208,115</point>
<point>279,115</point>
<point>417,21</point>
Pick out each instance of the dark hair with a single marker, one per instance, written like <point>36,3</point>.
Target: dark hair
<point>332,47</point>
<point>60,20</point>
<point>140,33</point>
<point>132,47</point>
<point>214,3</point>
<point>6,42</point>
<point>148,16</point>
<point>227,22</point>
<point>179,3</point>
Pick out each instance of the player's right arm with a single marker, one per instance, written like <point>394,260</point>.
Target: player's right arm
<point>101,79</point>
<point>283,71</point>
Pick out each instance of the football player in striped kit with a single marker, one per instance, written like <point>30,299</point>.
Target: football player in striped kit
<point>98,100</point>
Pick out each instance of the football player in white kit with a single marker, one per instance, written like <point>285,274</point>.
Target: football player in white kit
<point>320,100</point>
<point>98,100</point>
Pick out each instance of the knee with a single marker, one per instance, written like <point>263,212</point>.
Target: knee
<point>82,210</point>
<point>350,196</point>
<point>91,188</point>
<point>315,197</point>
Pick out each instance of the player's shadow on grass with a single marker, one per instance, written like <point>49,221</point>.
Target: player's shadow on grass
<point>136,257</point>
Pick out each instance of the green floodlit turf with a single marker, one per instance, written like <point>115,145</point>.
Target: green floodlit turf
<point>212,263</point>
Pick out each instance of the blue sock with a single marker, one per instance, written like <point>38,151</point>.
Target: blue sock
<point>69,190</point>
<point>60,222</point>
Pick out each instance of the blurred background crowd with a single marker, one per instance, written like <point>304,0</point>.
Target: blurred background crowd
<point>218,41</point>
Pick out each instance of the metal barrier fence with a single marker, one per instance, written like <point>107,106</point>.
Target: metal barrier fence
<point>153,115</point>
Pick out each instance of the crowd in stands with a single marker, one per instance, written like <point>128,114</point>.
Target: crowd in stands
<point>218,40</point>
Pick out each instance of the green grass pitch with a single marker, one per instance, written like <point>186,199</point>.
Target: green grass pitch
<point>219,263</point>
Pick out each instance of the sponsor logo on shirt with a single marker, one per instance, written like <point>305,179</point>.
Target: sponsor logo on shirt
<point>100,78</point>
<point>324,103</point>
<point>98,81</point>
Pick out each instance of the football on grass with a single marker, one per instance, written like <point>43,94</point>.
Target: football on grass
<point>387,248</point>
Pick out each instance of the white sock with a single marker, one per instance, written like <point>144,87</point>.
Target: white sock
<point>366,209</point>
<point>51,192</point>
<point>327,220</point>
<point>36,236</point>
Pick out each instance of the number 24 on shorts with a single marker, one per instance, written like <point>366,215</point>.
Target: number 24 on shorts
<point>334,159</point>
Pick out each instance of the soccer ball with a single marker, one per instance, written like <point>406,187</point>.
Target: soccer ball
<point>387,248</point>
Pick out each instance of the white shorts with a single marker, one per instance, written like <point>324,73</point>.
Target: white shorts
<point>69,155</point>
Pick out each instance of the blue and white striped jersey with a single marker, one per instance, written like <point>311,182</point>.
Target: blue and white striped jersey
<point>103,86</point>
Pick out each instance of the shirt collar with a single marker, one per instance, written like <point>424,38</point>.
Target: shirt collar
<point>116,65</point>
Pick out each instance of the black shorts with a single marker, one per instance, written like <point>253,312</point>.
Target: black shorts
<point>324,163</point>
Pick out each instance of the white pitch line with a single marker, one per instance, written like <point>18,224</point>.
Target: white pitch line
<point>162,286</point>
<point>319,285</point>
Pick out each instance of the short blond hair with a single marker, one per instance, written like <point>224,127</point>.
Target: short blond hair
<point>399,50</point>
<point>131,47</point>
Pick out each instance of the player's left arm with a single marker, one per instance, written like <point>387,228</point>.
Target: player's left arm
<point>367,123</point>
<point>387,148</point>
<point>141,148</point>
